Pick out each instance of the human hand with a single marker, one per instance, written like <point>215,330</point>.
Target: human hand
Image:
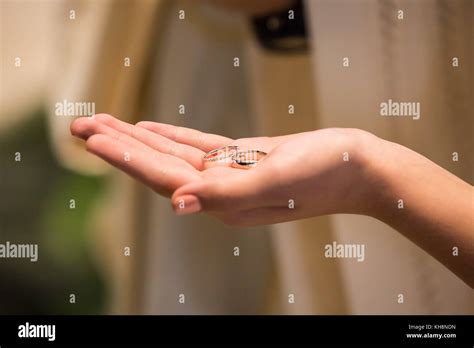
<point>303,175</point>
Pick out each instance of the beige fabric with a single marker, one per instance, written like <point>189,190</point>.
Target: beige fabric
<point>91,66</point>
<point>192,65</point>
<point>407,60</point>
<point>81,60</point>
<point>58,57</point>
<point>277,81</point>
<point>194,256</point>
<point>25,32</point>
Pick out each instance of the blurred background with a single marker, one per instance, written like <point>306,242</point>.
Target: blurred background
<point>235,68</point>
<point>35,209</point>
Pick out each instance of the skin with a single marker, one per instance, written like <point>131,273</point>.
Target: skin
<point>308,168</point>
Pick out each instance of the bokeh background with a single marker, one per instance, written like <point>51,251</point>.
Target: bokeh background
<point>189,60</point>
<point>35,209</point>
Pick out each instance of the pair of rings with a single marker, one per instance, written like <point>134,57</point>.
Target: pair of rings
<point>232,156</point>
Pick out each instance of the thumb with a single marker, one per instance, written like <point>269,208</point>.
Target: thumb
<point>237,191</point>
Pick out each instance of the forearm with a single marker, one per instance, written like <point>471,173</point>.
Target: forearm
<point>327,171</point>
<point>427,204</point>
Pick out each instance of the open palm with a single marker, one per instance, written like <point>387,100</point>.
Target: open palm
<point>303,174</point>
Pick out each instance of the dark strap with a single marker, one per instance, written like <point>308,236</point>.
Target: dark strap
<point>277,32</point>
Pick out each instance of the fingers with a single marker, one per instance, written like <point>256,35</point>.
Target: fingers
<point>163,173</point>
<point>156,141</point>
<point>203,141</point>
<point>85,127</point>
<point>187,204</point>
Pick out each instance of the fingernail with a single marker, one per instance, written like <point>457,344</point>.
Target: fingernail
<point>188,204</point>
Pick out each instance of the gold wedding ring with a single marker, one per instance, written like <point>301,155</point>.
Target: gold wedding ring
<point>232,156</point>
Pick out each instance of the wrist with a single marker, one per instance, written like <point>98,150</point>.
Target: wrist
<point>375,179</point>
<point>388,168</point>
